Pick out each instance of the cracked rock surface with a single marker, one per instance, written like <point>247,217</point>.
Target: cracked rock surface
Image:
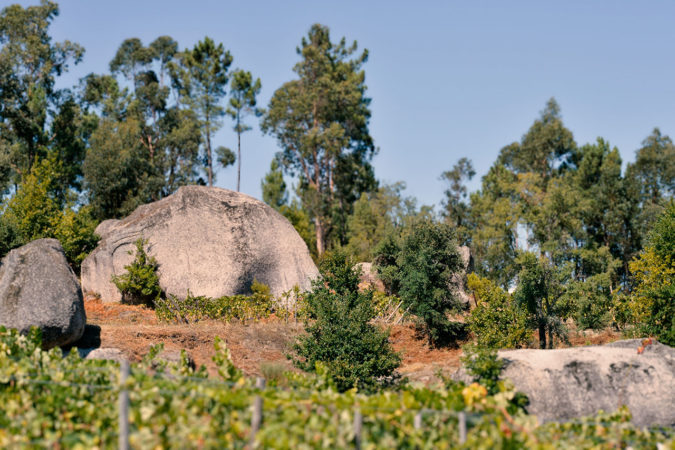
<point>208,241</point>
<point>565,384</point>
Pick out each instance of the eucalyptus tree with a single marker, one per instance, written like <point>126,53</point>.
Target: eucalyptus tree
<point>243,92</point>
<point>30,62</point>
<point>455,205</point>
<point>320,121</point>
<point>201,77</point>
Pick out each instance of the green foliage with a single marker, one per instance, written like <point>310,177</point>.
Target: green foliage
<point>539,291</point>
<point>302,223</point>
<point>652,302</point>
<point>140,283</point>
<point>496,321</point>
<point>484,366</point>
<point>202,78</point>
<point>173,405</point>
<point>36,211</point>
<point>243,92</point>
<point>273,186</point>
<point>30,62</point>
<point>116,169</point>
<point>340,336</point>
<point>258,305</point>
<point>421,272</point>
<point>375,216</point>
<point>456,209</point>
<point>321,121</point>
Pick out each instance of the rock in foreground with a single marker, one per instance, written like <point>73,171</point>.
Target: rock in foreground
<point>38,288</point>
<point>208,241</point>
<point>570,383</point>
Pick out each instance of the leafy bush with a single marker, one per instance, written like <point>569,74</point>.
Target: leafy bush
<point>195,308</point>
<point>140,284</point>
<point>340,337</point>
<point>421,274</point>
<point>52,401</point>
<point>653,300</point>
<point>37,210</point>
<point>497,321</point>
<point>483,365</point>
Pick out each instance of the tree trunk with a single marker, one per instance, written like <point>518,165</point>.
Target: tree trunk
<point>209,163</point>
<point>542,334</point>
<point>550,337</point>
<point>238,155</point>
<point>320,237</point>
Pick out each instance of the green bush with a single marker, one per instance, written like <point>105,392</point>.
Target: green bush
<point>258,305</point>
<point>653,301</point>
<point>483,365</point>
<point>140,283</point>
<point>497,321</point>
<point>340,335</point>
<point>421,274</point>
<point>37,211</point>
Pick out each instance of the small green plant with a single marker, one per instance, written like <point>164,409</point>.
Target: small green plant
<point>140,283</point>
<point>484,366</point>
<point>256,306</point>
<point>340,336</point>
<point>273,372</point>
<point>496,321</point>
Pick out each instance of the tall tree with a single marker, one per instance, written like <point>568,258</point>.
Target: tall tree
<point>321,123</point>
<point>456,208</point>
<point>546,146</point>
<point>243,92</point>
<point>202,77</point>
<point>29,64</point>
<point>274,187</point>
<point>130,59</point>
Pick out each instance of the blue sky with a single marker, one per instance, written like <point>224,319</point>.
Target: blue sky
<point>447,79</point>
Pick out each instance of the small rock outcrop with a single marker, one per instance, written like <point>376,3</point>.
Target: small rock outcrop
<point>38,288</point>
<point>208,241</point>
<point>459,278</point>
<point>369,278</point>
<point>569,383</point>
<point>107,353</point>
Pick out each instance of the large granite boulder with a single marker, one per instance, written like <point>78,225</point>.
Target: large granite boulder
<point>38,288</point>
<point>569,383</point>
<point>208,241</point>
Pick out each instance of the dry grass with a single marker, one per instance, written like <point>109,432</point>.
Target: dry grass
<point>133,329</point>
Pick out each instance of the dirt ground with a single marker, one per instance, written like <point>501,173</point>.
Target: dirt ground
<point>133,329</point>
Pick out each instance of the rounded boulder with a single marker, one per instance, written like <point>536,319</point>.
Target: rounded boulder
<point>208,241</point>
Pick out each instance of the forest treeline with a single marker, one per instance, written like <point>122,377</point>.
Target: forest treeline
<point>558,228</point>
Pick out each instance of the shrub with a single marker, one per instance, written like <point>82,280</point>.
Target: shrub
<point>421,274</point>
<point>140,284</point>
<point>653,303</point>
<point>192,308</point>
<point>497,321</point>
<point>340,338</point>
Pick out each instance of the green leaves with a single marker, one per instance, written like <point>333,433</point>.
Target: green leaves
<point>354,352</point>
<point>419,266</point>
<point>50,400</point>
<point>140,283</point>
<point>320,121</point>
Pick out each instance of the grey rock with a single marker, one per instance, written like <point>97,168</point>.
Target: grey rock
<point>569,383</point>
<point>459,286</point>
<point>172,357</point>
<point>109,353</point>
<point>369,278</point>
<point>210,241</point>
<point>38,288</point>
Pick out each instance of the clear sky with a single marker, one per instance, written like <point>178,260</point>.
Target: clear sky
<point>447,79</point>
